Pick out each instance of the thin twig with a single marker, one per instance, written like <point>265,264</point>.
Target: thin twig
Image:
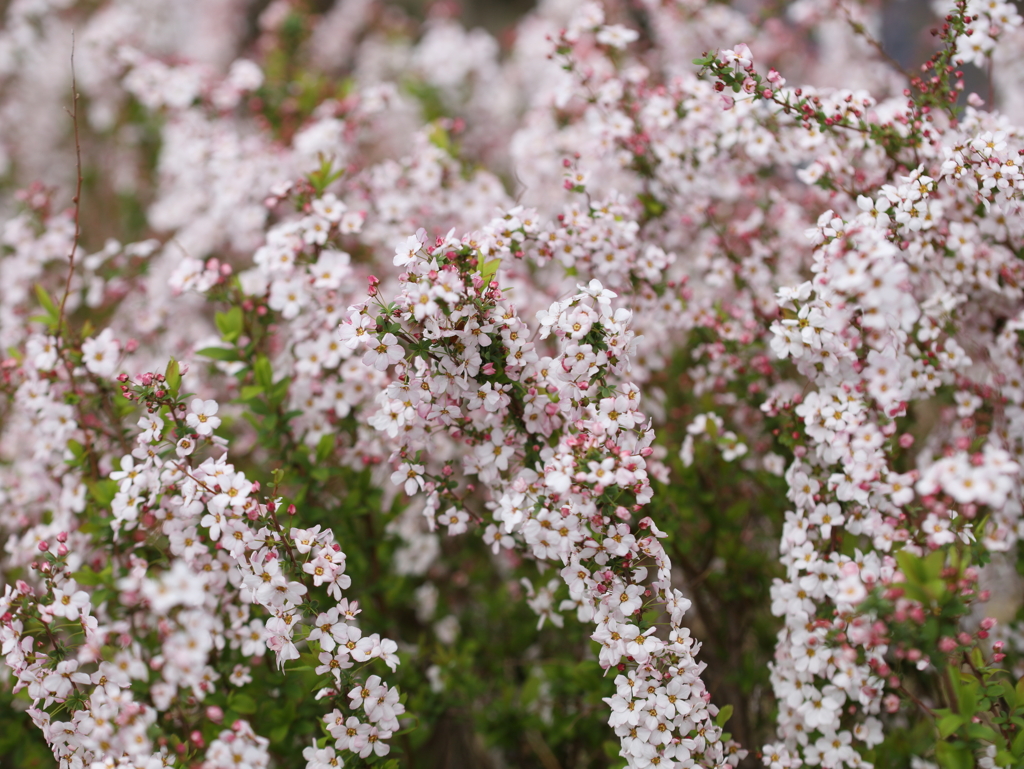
<point>59,341</point>
<point>77,200</point>
<point>859,29</point>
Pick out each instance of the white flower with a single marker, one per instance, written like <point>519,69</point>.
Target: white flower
<point>386,353</point>
<point>202,418</point>
<point>409,476</point>
<point>616,35</point>
<point>100,354</point>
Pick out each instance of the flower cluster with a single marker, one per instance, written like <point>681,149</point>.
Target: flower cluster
<point>718,364</point>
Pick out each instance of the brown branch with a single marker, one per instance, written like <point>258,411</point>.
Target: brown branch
<point>77,200</point>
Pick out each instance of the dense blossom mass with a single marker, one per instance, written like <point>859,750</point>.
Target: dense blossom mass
<point>335,344</point>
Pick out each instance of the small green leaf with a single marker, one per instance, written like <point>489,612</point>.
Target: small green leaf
<point>278,393</point>
<point>724,714</point>
<point>262,371</point>
<point>489,270</point>
<point>912,567</point>
<point>86,576</point>
<point>652,205</point>
<point>324,448</point>
<point>982,733</point>
<point>954,756</point>
<point>947,725</point>
<point>933,564</point>
<point>967,699</point>
<point>1017,748</point>
<point>220,353</point>
<point>251,391</point>
<point>103,491</point>
<point>230,324</point>
<point>173,376</point>
<point>324,176</point>
<point>243,703</point>
<point>47,303</point>
<point>280,733</point>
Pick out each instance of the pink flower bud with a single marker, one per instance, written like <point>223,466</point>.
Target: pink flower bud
<point>891,703</point>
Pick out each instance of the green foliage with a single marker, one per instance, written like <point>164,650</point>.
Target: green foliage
<point>21,744</point>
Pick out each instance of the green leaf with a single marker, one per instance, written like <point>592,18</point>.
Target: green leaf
<point>489,270</point>
<point>251,391</point>
<point>47,303</point>
<point>103,491</point>
<point>86,576</point>
<point>967,698</point>
<point>1005,690</point>
<point>947,725</point>
<point>724,714</point>
<point>230,324</point>
<point>173,376</point>
<point>933,564</point>
<point>263,373</point>
<point>324,176</point>
<point>652,205</point>
<point>243,703</point>
<point>954,756</point>
<point>280,733</point>
<point>983,733</point>
<point>911,567</point>
<point>324,448</point>
<point>124,407</point>
<point>277,395</point>
<point>439,138</point>
<point>220,353</point>
<point>1017,748</point>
